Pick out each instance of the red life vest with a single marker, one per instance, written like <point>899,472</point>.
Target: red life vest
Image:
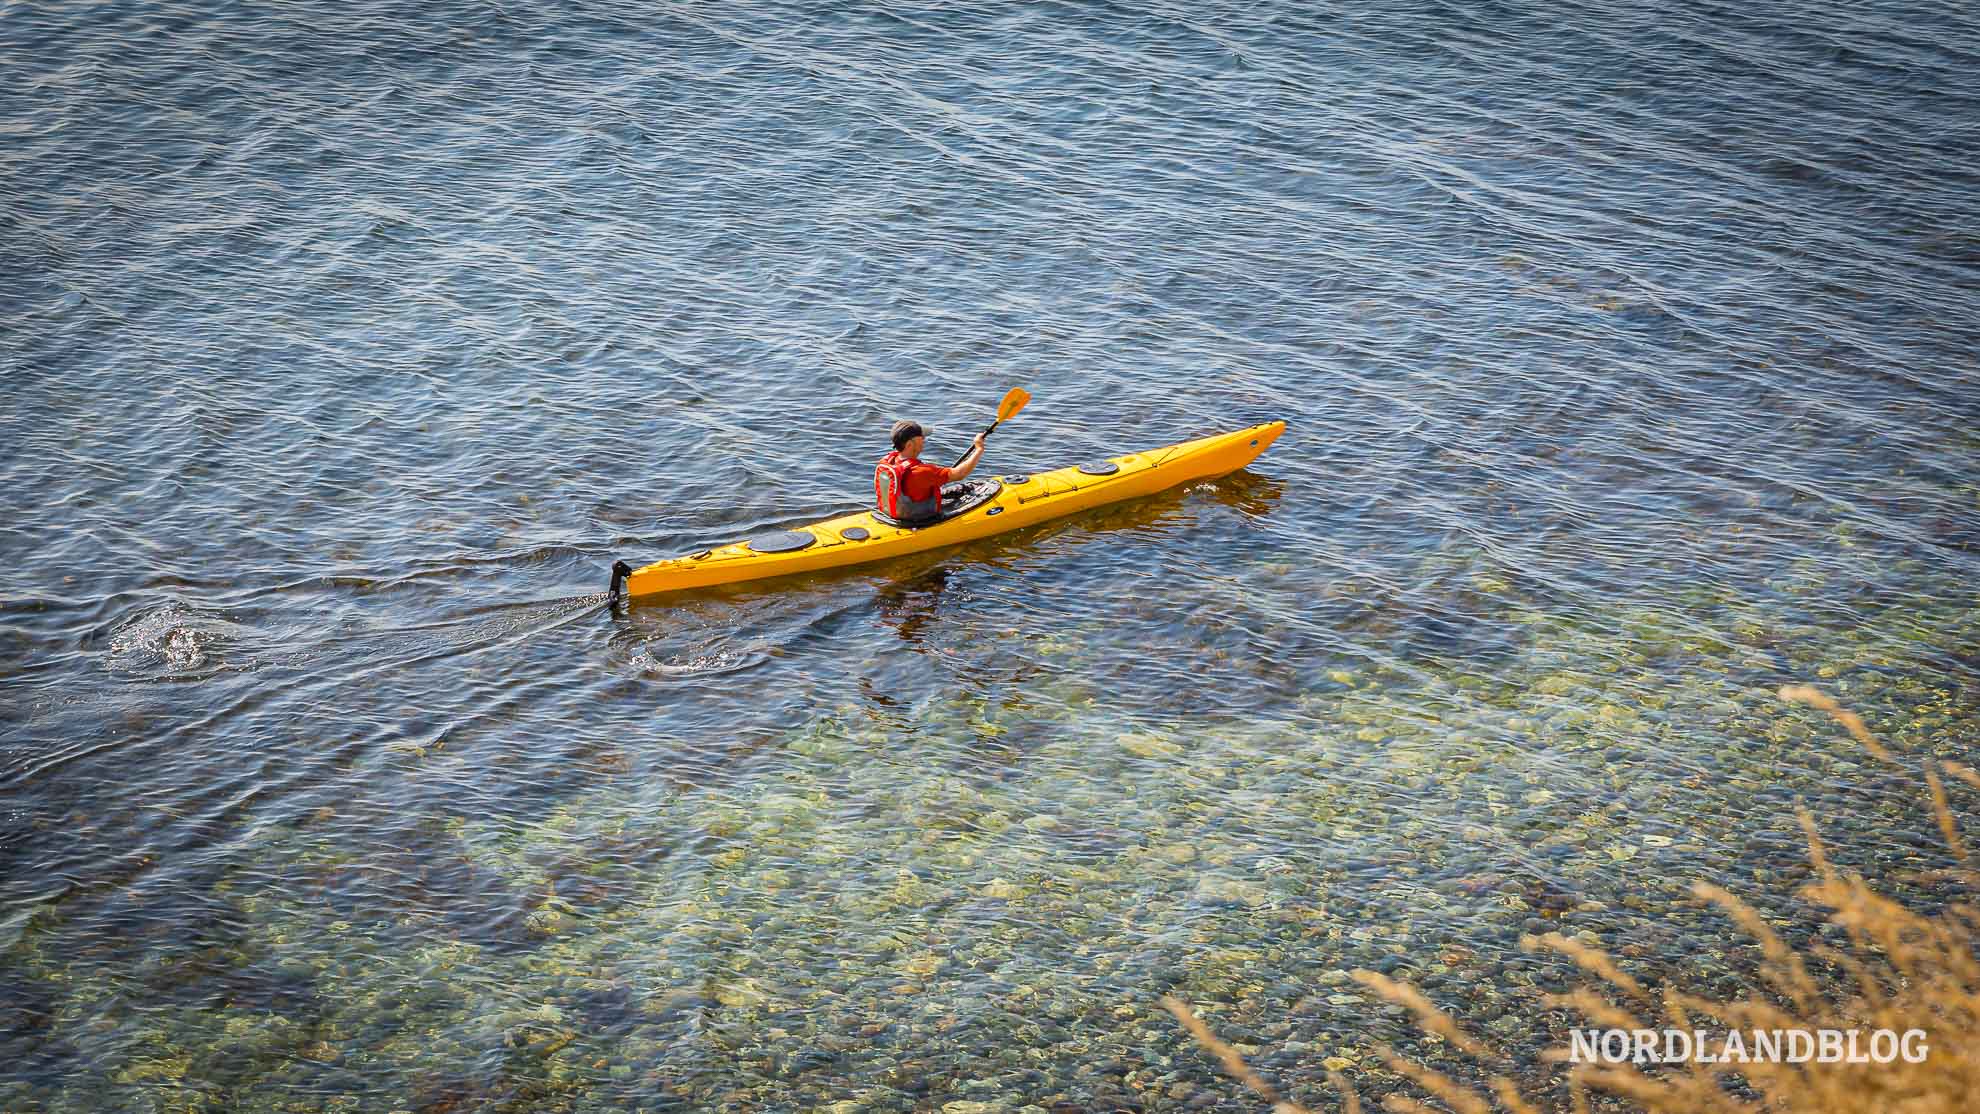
<point>890,491</point>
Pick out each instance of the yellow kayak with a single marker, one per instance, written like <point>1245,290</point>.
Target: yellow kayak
<point>972,509</point>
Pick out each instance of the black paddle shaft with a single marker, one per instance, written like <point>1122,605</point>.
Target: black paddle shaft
<point>987,431</point>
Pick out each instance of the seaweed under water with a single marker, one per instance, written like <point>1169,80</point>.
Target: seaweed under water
<point>1895,988</point>
<point>982,920</point>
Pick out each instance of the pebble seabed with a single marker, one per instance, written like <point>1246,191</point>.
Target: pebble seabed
<point>973,904</point>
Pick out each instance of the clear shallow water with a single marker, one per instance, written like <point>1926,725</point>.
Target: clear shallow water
<point>1629,363</point>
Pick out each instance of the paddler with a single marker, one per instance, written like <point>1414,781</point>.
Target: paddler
<point>909,489</point>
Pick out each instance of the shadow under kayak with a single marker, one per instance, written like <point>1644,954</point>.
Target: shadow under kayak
<point>972,510</point>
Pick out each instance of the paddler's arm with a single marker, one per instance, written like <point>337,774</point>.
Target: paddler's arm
<point>968,465</point>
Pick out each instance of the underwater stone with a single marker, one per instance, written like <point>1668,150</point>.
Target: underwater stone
<point>1149,746</point>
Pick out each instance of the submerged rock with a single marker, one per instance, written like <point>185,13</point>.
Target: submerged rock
<point>1236,891</point>
<point>1149,746</point>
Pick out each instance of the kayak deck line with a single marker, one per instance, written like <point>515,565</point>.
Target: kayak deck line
<point>1012,502</point>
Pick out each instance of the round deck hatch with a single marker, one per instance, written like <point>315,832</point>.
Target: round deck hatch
<point>783,541</point>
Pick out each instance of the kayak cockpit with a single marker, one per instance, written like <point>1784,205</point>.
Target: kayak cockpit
<point>957,499</point>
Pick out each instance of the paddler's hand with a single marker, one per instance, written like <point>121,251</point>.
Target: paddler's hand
<point>969,461</point>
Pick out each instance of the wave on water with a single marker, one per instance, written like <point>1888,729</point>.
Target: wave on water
<point>691,664</point>
<point>180,642</point>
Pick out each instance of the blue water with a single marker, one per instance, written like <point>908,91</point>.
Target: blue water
<point>1628,355</point>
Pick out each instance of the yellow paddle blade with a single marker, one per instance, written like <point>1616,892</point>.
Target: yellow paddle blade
<point>1012,403</point>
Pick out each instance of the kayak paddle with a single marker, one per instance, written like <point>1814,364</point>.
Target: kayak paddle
<point>1007,409</point>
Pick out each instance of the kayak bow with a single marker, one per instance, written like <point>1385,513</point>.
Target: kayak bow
<point>981,509</point>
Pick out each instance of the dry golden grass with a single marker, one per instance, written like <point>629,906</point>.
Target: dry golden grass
<point>1234,1065</point>
<point>1901,971</point>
